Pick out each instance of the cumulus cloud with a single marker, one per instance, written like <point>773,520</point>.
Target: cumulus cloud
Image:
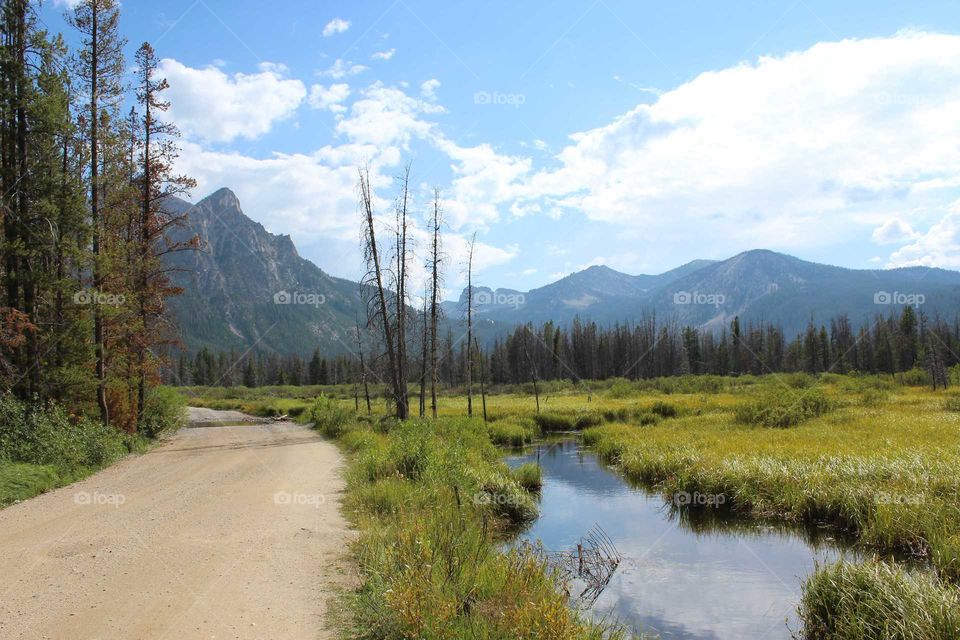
<point>342,68</point>
<point>938,247</point>
<point>773,152</point>
<point>330,98</point>
<point>335,26</point>
<point>893,231</point>
<point>384,55</point>
<point>387,116</point>
<point>218,107</point>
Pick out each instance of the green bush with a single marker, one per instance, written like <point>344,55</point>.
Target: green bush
<point>916,378</point>
<point>778,409</point>
<point>164,410</point>
<point>621,388</point>
<point>47,435</point>
<point>328,417</point>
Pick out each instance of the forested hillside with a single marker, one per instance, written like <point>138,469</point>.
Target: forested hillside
<point>87,164</point>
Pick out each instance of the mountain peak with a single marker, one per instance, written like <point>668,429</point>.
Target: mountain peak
<point>223,198</point>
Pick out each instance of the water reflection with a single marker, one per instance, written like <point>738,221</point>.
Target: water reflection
<point>689,575</point>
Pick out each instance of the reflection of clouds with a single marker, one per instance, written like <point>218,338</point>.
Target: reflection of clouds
<point>713,584</point>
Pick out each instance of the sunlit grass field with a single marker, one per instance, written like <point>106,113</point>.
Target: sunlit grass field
<point>872,456</point>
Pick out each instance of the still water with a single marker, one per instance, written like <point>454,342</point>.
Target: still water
<point>681,579</point>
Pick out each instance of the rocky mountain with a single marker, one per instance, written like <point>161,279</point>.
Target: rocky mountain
<point>755,285</point>
<point>249,288</point>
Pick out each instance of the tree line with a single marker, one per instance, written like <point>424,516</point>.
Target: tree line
<point>86,164</point>
<point>902,341</point>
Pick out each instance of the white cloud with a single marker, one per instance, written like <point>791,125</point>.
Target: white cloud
<point>330,98</point>
<point>894,231</point>
<point>335,26</point>
<point>342,68</point>
<point>781,153</point>
<point>384,55</point>
<point>387,116</point>
<point>211,105</point>
<point>939,246</point>
<point>428,89</point>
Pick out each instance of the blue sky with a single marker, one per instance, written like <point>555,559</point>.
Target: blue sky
<point>640,135</point>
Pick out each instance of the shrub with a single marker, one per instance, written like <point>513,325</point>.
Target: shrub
<point>915,378</point>
<point>775,409</point>
<point>529,475</point>
<point>47,435</point>
<point>329,417</point>
<point>621,388</point>
<point>164,410</point>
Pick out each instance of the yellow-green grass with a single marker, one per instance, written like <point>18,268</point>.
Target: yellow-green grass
<point>878,601</point>
<point>886,472</point>
<point>432,500</point>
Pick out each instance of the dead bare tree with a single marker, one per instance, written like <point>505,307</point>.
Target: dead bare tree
<point>377,308</point>
<point>400,284</point>
<point>483,379</point>
<point>363,368</point>
<point>423,357</point>
<point>436,258</point>
<point>473,242</point>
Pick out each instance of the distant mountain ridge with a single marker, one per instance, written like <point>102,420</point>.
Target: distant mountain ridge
<point>758,285</point>
<point>250,289</point>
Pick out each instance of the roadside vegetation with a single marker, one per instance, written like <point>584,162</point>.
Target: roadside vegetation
<point>43,447</point>
<point>432,501</point>
<point>874,456</point>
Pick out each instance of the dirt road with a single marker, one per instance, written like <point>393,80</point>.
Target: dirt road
<point>223,532</point>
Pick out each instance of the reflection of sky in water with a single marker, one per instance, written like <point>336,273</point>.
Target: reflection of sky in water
<point>681,584</point>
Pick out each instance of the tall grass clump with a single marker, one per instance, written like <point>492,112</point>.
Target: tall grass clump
<point>952,403</point>
<point>878,601</point>
<point>328,416</point>
<point>509,434</point>
<point>778,409</point>
<point>529,476</point>
<point>433,500</point>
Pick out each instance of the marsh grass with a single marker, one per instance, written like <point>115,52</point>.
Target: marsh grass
<point>878,601</point>
<point>871,455</point>
<point>432,500</point>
